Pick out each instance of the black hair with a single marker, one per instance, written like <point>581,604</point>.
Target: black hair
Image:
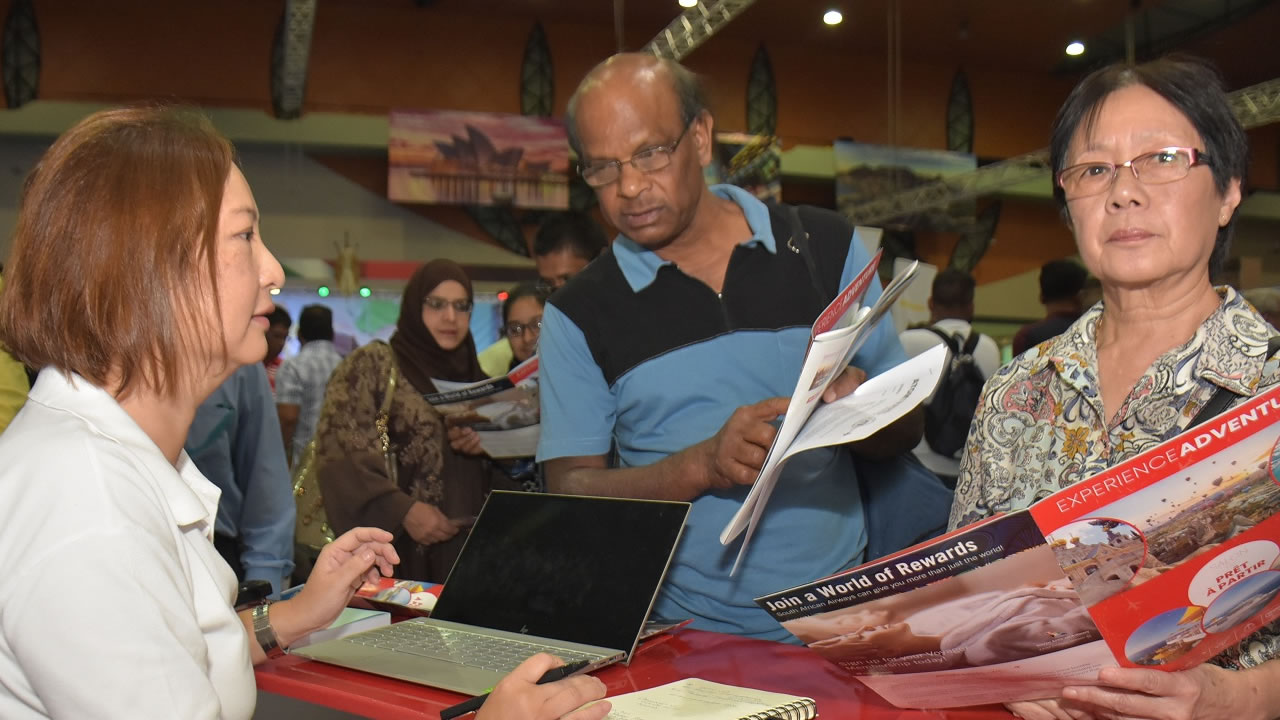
<point>953,288</point>
<point>574,231</point>
<point>315,322</point>
<point>1061,280</point>
<point>280,316</point>
<point>1193,87</point>
<point>523,290</point>
<point>684,82</point>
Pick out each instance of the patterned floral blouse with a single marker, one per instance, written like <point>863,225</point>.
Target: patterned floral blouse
<point>1040,425</point>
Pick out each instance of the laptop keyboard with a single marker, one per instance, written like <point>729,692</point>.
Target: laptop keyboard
<point>459,646</point>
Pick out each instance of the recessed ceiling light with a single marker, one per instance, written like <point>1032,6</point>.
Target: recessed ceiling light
<point>1075,47</point>
<point>832,17</point>
<point>688,3</point>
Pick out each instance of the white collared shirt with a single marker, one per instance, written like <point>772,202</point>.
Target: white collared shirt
<point>114,601</point>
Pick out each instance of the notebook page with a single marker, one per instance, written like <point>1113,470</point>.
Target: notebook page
<point>696,699</point>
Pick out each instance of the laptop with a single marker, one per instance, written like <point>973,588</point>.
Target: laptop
<point>573,576</point>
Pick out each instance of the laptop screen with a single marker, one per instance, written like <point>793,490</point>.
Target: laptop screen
<point>581,569</point>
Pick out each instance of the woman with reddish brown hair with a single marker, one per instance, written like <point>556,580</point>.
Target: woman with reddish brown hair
<point>138,282</point>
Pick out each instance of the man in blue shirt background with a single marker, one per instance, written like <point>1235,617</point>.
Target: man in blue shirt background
<point>675,351</point>
<point>235,442</point>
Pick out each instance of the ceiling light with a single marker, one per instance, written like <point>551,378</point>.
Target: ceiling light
<point>832,17</point>
<point>275,291</point>
<point>688,3</point>
<point>1075,47</point>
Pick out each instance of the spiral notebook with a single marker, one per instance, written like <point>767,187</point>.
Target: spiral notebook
<point>697,699</point>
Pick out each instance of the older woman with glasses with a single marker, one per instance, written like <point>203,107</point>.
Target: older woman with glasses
<point>430,489</point>
<point>1148,165</point>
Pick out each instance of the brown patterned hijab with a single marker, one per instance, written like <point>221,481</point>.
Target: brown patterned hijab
<point>418,355</point>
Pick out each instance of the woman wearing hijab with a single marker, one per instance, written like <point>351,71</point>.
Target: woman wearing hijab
<point>430,492</point>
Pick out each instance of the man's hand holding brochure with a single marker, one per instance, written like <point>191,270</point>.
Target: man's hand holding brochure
<point>1162,561</point>
<point>839,332</point>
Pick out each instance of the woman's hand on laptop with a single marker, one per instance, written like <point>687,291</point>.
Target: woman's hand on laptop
<point>357,556</point>
<point>518,695</point>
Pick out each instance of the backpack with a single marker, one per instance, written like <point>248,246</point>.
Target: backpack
<point>949,413</point>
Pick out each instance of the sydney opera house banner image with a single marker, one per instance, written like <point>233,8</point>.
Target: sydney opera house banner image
<point>464,158</point>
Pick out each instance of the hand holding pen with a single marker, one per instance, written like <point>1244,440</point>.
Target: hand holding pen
<point>536,690</point>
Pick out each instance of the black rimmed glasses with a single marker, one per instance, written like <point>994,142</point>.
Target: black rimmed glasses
<point>649,160</point>
<point>439,303</point>
<point>515,330</point>
<point>1165,165</point>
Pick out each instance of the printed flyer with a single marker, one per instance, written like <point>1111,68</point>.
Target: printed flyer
<point>1162,561</point>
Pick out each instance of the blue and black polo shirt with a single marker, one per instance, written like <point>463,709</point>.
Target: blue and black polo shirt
<point>635,353</point>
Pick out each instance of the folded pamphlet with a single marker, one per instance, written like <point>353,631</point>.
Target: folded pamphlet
<point>836,336</point>
<point>1162,561</point>
<point>503,410</point>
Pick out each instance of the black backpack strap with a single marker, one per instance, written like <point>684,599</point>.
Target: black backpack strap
<point>952,344</point>
<point>798,242</point>
<point>972,343</point>
<point>1222,399</point>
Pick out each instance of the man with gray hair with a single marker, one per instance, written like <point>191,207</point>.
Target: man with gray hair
<point>666,361</point>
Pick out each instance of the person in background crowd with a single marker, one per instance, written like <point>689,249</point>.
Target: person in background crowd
<point>522,320</point>
<point>565,243</point>
<point>233,442</point>
<point>301,380</point>
<point>1267,302</point>
<point>277,335</point>
<point>434,489</point>
<point>138,283</point>
<point>521,325</point>
<point>1148,162</point>
<point>1060,285</point>
<point>14,383</point>
<point>950,312</point>
<point>675,347</point>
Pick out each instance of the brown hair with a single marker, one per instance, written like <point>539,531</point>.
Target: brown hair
<point>115,240</point>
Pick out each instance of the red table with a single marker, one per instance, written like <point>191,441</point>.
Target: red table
<point>687,653</point>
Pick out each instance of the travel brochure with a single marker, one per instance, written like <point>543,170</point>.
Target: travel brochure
<point>503,410</point>
<point>1162,561</point>
<point>836,336</point>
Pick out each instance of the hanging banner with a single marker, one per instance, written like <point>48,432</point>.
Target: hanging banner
<point>866,172</point>
<point>466,158</point>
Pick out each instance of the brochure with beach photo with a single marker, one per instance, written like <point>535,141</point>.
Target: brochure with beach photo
<point>1162,561</point>
<point>836,336</point>
<point>503,410</point>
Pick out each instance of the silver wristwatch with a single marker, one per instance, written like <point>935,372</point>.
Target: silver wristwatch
<point>264,633</point>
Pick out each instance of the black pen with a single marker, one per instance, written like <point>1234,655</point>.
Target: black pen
<point>552,675</point>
